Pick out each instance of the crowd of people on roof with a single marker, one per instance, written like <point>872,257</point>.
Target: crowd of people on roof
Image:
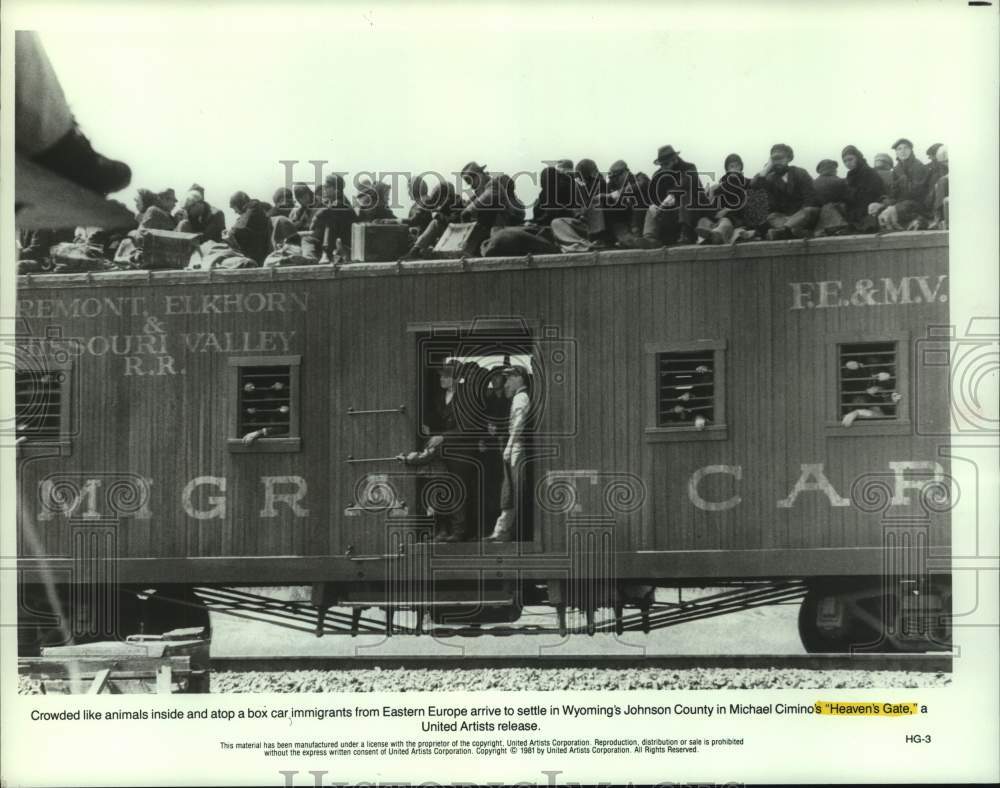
<point>579,208</point>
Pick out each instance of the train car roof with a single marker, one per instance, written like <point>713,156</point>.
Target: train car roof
<point>925,239</point>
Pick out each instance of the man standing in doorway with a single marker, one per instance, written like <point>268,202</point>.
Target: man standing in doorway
<point>516,390</point>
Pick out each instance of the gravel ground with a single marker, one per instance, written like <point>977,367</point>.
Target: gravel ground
<point>424,680</point>
<point>401,680</point>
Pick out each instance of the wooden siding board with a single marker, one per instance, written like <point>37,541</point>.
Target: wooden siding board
<point>355,344</point>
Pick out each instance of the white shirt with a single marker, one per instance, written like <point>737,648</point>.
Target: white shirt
<point>519,405</point>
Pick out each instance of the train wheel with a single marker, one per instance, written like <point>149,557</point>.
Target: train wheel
<point>842,620</point>
<point>817,640</point>
<point>872,618</point>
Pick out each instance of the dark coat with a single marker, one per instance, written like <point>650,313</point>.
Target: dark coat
<point>863,186</point>
<point>209,224</point>
<point>302,216</point>
<point>252,231</point>
<point>557,198</point>
<point>155,218</point>
<point>337,219</point>
<point>788,196</point>
<point>731,192</point>
<point>910,180</point>
<point>375,212</point>
<point>680,179</point>
<point>829,188</point>
<point>495,204</point>
<point>936,170</point>
<point>419,217</point>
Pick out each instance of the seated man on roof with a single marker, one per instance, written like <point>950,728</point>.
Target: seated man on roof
<point>906,206</point>
<point>677,199</point>
<point>202,218</point>
<point>330,233</point>
<point>557,199</point>
<point>585,231</point>
<point>251,232</point>
<point>937,185</point>
<point>419,216</point>
<point>493,205</point>
<point>284,200</point>
<point>373,201</point>
<point>790,192</point>
<point>831,194</point>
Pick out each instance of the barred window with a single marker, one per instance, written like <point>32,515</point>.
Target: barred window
<point>867,385</point>
<point>39,404</point>
<point>686,393</point>
<point>266,408</point>
<point>265,399</point>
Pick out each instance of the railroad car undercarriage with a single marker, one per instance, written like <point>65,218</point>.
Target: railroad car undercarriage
<point>865,614</point>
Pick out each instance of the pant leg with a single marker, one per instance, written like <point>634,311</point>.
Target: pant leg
<point>661,228</point>
<point>515,241</point>
<point>459,516</point>
<point>428,239</point>
<point>41,115</point>
<point>485,223</point>
<point>831,219</point>
<point>571,235</point>
<point>940,196</point>
<point>776,220</point>
<point>801,223</point>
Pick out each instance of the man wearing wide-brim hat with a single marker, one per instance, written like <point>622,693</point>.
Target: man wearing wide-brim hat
<point>678,201</point>
<point>794,207</point>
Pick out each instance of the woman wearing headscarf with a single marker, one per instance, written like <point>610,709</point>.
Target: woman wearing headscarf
<point>863,187</point>
<point>739,209</point>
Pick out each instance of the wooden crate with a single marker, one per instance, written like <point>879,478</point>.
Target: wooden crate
<point>374,242</point>
<point>167,249</point>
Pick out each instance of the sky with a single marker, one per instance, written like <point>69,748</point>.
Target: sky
<point>220,98</point>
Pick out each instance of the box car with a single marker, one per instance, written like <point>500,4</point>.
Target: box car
<point>700,415</point>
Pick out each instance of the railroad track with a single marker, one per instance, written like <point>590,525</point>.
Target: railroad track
<point>917,663</point>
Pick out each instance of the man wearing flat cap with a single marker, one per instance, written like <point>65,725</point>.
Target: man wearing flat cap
<point>906,207</point>
<point>909,177</point>
<point>516,390</point>
<point>790,192</point>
